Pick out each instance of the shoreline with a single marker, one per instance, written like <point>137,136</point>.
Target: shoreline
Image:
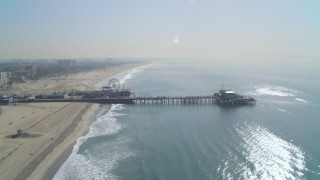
<point>58,162</point>
<point>58,124</point>
<point>55,166</point>
<point>71,133</point>
<point>43,158</point>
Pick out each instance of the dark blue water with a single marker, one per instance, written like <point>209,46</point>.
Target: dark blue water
<point>277,138</point>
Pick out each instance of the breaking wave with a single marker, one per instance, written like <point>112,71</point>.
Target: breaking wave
<point>279,91</point>
<point>86,165</point>
<point>130,74</point>
<point>279,109</point>
<point>98,160</point>
<point>273,91</point>
<point>124,76</point>
<point>301,100</point>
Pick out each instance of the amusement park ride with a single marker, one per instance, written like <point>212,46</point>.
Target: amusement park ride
<point>112,90</point>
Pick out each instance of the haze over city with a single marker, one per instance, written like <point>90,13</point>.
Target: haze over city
<point>164,29</point>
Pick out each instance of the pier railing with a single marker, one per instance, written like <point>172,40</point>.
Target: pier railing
<point>175,100</point>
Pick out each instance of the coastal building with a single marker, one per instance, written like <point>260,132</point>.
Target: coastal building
<point>4,80</point>
<point>26,71</point>
<point>67,63</point>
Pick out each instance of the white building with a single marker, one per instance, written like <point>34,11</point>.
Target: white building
<point>4,79</point>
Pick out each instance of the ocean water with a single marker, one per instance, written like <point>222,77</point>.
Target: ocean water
<point>278,138</point>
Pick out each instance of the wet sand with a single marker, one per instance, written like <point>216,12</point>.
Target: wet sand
<point>57,125</point>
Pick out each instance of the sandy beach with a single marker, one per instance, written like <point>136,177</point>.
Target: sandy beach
<point>52,127</point>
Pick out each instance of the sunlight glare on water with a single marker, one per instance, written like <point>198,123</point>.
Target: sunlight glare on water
<point>271,156</point>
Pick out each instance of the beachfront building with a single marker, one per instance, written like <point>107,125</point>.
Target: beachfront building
<point>67,63</point>
<point>25,71</point>
<point>4,80</point>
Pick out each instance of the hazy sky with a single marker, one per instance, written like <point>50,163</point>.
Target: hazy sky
<point>159,28</point>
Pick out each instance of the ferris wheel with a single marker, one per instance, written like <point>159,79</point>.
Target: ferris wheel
<point>114,83</point>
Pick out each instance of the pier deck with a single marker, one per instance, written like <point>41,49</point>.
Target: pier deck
<point>152,100</point>
<point>85,100</point>
<point>113,94</point>
<point>175,100</point>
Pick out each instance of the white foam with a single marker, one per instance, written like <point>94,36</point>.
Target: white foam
<point>271,156</point>
<point>273,91</point>
<point>301,100</point>
<point>279,109</point>
<point>124,76</point>
<point>93,166</point>
<point>79,166</point>
<point>130,74</point>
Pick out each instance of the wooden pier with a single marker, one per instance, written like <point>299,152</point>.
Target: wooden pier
<point>113,94</point>
<point>135,100</point>
<point>84,100</point>
<point>154,100</point>
<point>175,100</point>
<point>242,100</point>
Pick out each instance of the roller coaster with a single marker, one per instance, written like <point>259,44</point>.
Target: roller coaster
<point>82,91</point>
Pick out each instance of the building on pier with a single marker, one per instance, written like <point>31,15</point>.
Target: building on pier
<point>228,97</point>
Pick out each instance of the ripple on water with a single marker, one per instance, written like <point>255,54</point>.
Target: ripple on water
<point>264,156</point>
<point>271,156</point>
